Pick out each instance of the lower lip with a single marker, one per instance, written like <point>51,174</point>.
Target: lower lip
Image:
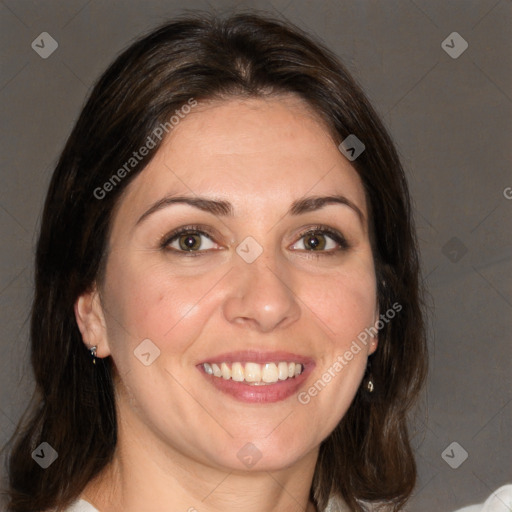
<point>267,393</point>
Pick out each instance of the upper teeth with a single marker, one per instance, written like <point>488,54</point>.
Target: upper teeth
<point>254,372</point>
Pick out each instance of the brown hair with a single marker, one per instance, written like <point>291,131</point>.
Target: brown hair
<point>368,457</point>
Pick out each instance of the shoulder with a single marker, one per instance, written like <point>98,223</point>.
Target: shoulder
<point>499,501</point>
<point>81,506</point>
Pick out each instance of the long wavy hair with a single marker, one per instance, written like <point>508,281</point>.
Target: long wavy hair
<point>368,457</point>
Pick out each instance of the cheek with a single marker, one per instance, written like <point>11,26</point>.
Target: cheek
<point>151,303</point>
<point>344,302</point>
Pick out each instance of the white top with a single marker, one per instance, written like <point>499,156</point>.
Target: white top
<point>498,501</point>
<point>81,506</point>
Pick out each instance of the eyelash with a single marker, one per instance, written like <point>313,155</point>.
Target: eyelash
<point>185,230</point>
<point>331,233</point>
<point>336,236</point>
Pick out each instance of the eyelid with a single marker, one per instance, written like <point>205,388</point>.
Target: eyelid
<point>196,229</point>
<point>334,234</point>
<point>206,231</point>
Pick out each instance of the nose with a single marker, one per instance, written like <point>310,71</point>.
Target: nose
<point>260,298</point>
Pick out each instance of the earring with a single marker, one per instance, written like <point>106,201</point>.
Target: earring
<point>368,384</point>
<point>92,350</point>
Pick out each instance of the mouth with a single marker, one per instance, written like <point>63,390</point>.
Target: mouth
<point>257,377</point>
<point>254,374</point>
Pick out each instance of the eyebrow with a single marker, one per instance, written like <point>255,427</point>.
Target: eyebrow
<point>221,208</point>
<point>310,204</point>
<point>224,208</point>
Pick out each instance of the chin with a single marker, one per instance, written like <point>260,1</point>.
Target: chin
<point>265,454</point>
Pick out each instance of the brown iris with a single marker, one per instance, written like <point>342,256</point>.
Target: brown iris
<point>190,242</point>
<point>313,241</point>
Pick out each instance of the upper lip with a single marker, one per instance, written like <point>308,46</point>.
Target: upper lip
<point>256,356</point>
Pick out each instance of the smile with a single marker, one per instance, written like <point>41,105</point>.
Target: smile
<point>255,374</point>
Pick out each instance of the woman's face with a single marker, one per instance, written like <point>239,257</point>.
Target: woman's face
<point>243,244</point>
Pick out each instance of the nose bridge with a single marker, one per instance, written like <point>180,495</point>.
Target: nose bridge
<point>261,295</point>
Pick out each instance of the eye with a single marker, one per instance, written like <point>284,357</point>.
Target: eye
<point>189,240</point>
<point>320,240</point>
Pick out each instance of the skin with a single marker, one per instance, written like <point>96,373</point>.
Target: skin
<point>178,435</point>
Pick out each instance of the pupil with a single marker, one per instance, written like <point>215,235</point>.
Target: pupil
<point>314,242</point>
<point>189,242</point>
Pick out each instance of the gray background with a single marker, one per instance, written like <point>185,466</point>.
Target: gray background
<point>451,119</point>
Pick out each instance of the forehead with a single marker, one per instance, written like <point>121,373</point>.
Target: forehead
<point>257,153</point>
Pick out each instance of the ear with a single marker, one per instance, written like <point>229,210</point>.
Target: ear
<point>91,322</point>
<point>375,339</point>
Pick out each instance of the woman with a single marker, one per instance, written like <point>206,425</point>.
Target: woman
<point>228,311</point>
